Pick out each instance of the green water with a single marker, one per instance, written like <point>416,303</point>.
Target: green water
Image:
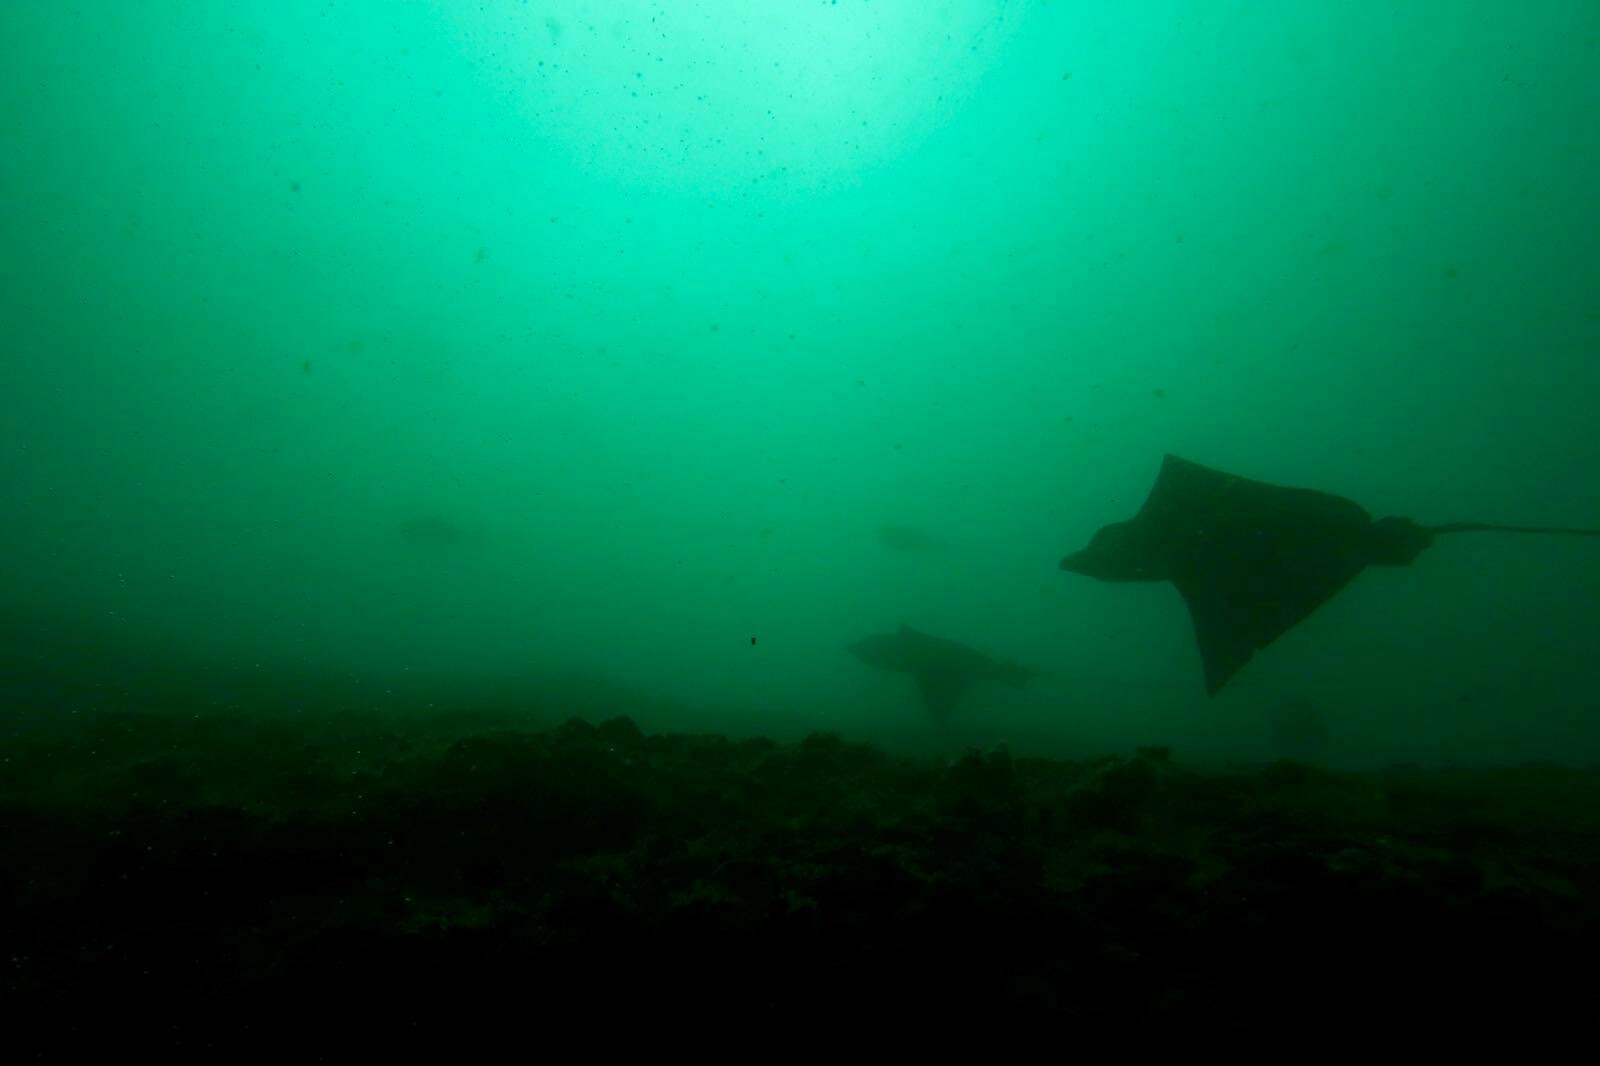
<point>496,340</point>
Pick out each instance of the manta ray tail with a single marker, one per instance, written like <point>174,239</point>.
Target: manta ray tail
<point>1490,527</point>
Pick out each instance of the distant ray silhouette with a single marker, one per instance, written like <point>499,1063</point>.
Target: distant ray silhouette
<point>1252,559</point>
<point>944,669</point>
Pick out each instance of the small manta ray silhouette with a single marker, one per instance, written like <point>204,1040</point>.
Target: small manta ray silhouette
<point>944,669</point>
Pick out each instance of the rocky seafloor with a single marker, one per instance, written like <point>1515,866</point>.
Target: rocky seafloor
<point>178,882</point>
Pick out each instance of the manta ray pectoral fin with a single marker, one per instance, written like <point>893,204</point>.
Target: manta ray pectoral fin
<point>1237,611</point>
<point>1221,631</point>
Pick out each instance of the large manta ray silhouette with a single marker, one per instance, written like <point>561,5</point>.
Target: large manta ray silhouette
<point>1252,559</point>
<point>944,669</point>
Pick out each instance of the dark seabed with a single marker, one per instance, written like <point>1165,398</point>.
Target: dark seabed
<point>462,865</point>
